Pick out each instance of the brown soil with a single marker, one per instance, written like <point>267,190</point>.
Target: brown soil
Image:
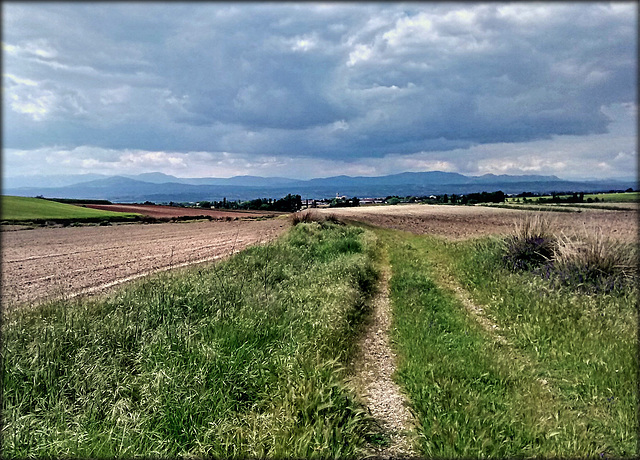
<point>374,367</point>
<point>461,222</point>
<point>159,211</point>
<point>54,262</point>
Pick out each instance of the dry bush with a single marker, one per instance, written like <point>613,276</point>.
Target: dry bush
<point>587,260</point>
<point>591,257</point>
<point>312,216</point>
<point>531,244</point>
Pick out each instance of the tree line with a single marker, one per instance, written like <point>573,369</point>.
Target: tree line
<point>290,203</point>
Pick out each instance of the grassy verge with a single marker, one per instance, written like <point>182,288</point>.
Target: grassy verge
<point>239,359</point>
<point>564,383</point>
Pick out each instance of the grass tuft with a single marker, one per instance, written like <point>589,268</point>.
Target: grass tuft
<point>531,244</point>
<point>313,216</point>
<point>586,261</point>
<point>593,262</point>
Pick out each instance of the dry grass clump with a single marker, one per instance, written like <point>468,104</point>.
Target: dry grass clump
<point>531,244</point>
<point>308,216</point>
<point>592,258</point>
<point>587,260</point>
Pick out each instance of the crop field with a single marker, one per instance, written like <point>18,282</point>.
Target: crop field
<point>506,333</point>
<point>15,208</point>
<point>620,197</point>
<point>160,212</point>
<point>51,262</point>
<point>462,222</point>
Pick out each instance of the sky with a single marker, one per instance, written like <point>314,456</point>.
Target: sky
<point>306,90</point>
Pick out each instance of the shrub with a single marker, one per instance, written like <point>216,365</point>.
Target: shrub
<point>531,244</point>
<point>313,216</point>
<point>587,261</point>
<point>593,262</point>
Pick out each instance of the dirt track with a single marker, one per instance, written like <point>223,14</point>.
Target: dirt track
<point>461,222</point>
<point>51,262</point>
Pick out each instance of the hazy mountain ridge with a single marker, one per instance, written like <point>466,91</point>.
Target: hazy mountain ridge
<point>163,187</point>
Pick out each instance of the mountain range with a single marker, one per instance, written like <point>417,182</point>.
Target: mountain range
<point>159,187</point>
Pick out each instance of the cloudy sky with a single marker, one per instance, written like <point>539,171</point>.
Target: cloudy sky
<point>313,90</point>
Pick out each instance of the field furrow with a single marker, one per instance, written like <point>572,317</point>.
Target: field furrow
<point>49,262</point>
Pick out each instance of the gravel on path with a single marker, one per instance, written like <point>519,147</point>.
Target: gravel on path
<point>374,366</point>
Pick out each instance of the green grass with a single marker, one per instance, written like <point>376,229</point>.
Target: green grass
<point>23,209</point>
<point>240,359</point>
<point>477,397</point>
<point>620,197</point>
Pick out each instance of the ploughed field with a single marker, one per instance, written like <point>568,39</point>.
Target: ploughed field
<point>51,262</point>
<point>462,222</point>
<point>159,211</point>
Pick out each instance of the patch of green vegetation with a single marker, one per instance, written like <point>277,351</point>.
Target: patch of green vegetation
<point>622,197</point>
<point>24,209</point>
<point>563,385</point>
<point>615,197</point>
<point>585,345</point>
<point>239,359</point>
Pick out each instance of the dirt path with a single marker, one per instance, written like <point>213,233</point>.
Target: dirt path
<point>374,367</point>
<point>59,262</point>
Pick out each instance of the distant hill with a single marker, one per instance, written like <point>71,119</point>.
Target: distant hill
<point>158,187</point>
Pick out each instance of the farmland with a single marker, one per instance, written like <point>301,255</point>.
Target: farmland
<point>48,262</point>
<point>617,197</point>
<point>492,362</point>
<point>167,212</point>
<point>462,222</point>
<point>22,209</point>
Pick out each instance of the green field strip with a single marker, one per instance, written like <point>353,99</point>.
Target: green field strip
<point>24,209</point>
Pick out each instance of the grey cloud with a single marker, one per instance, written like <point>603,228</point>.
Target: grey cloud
<point>333,81</point>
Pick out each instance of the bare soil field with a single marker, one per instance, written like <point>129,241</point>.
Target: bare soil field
<point>159,211</point>
<point>461,222</point>
<point>55,262</point>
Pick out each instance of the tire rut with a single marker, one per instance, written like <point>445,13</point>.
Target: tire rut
<point>374,366</point>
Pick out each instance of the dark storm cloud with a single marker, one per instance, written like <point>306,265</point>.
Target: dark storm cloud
<point>329,81</point>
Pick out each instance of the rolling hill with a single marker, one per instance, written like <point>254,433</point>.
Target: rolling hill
<point>160,187</point>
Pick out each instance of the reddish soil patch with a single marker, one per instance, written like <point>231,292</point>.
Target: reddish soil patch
<point>159,211</point>
<point>56,262</point>
<point>461,222</point>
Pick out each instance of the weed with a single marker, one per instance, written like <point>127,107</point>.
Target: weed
<point>592,262</point>
<point>531,243</point>
<point>314,216</point>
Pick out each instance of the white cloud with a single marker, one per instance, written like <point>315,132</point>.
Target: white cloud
<point>360,53</point>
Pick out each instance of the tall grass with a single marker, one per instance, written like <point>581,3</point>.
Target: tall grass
<point>583,341</point>
<point>586,260</point>
<point>563,384</point>
<point>594,261</point>
<point>239,359</point>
